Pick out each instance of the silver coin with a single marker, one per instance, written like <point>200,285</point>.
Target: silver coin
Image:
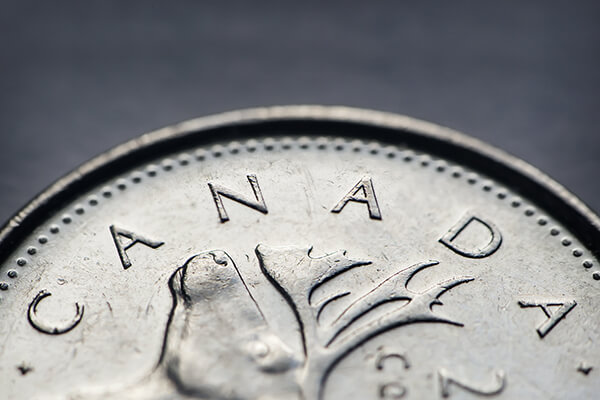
<point>301,253</point>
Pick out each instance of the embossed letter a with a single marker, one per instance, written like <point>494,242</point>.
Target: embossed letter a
<point>119,233</point>
<point>362,192</point>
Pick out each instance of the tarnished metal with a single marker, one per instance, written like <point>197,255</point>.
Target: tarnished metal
<point>301,253</point>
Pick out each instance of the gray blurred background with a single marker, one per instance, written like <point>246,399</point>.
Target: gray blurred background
<point>78,77</point>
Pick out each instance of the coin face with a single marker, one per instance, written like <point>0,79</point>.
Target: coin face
<point>301,253</point>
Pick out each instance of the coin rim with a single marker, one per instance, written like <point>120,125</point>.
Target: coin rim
<point>312,120</point>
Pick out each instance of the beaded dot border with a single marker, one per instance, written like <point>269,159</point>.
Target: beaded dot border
<point>268,144</point>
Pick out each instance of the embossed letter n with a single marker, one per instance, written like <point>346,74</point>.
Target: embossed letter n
<point>217,191</point>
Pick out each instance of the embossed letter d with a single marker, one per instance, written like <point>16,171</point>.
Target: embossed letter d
<point>474,250</point>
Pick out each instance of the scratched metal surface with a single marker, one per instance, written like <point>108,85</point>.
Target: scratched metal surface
<point>314,268</point>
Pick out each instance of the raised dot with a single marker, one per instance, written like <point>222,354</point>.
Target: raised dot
<point>121,184</point>
<point>356,145</point>
<point>217,151</point>
<point>595,275</point>
<point>390,151</point>
<point>21,262</point>
<point>304,142</point>
<point>373,148</point>
<point>529,212</point>
<point>200,154</point>
<point>566,242</point>
<point>136,179</point>
<point>234,147</point>
<point>31,250</point>
<point>184,159</point>
<point>487,187</point>
<point>338,144</point>
<point>577,252</point>
<point>106,193</point>
<point>588,264</point>
<point>43,239</point>
<point>554,232</point>
<point>472,180</point>
<point>440,168</point>
<point>66,219</point>
<point>269,144</point>
<point>93,201</point>
<point>501,195</point>
<point>234,150</point>
<point>321,143</point>
<point>12,274</point>
<point>287,144</point>
<point>79,209</point>
<point>425,162</point>
<point>3,286</point>
<point>54,229</point>
<point>516,203</point>
<point>167,165</point>
<point>151,170</point>
<point>542,221</point>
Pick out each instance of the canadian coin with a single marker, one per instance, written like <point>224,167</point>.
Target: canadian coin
<point>301,253</point>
